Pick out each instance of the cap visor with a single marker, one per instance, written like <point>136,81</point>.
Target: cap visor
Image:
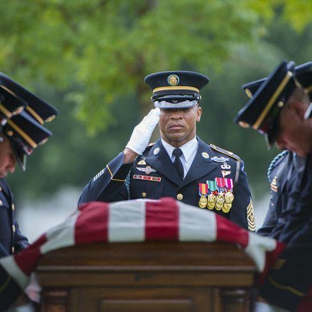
<point>169,105</point>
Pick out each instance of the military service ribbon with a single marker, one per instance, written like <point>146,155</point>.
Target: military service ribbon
<point>225,197</point>
<point>203,191</point>
<point>212,191</point>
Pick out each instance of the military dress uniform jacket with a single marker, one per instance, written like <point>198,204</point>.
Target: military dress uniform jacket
<point>290,278</point>
<point>153,176</point>
<point>283,177</point>
<point>11,239</point>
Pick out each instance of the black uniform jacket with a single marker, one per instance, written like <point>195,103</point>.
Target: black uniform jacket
<point>284,173</point>
<point>290,279</point>
<point>11,239</point>
<point>278,175</point>
<point>154,176</point>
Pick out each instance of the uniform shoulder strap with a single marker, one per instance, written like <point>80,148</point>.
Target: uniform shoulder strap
<point>275,162</point>
<point>225,152</point>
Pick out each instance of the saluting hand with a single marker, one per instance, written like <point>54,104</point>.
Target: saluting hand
<point>143,131</point>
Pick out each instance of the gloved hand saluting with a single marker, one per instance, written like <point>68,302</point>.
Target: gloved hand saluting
<point>143,131</point>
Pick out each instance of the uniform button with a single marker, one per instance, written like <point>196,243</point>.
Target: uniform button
<point>0,189</point>
<point>13,249</point>
<point>143,194</point>
<point>1,203</point>
<point>179,196</point>
<point>13,207</point>
<point>13,228</point>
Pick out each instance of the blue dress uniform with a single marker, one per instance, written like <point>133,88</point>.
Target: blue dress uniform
<point>278,172</point>
<point>289,216</point>
<point>11,238</point>
<point>22,115</point>
<point>154,176</point>
<point>290,278</point>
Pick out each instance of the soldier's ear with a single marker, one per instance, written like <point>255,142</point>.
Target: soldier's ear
<point>199,113</point>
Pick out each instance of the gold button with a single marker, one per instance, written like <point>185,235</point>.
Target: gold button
<point>0,189</point>
<point>13,228</point>
<point>143,194</point>
<point>1,203</point>
<point>13,249</point>
<point>179,196</point>
<point>13,207</point>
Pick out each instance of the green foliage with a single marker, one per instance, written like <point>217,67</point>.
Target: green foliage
<point>89,58</point>
<point>100,50</point>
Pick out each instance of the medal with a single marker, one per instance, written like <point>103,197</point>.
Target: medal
<point>212,198</point>
<point>212,185</point>
<point>211,202</point>
<point>225,187</point>
<point>229,197</point>
<point>202,190</point>
<point>220,201</point>
<point>226,207</point>
<point>202,202</point>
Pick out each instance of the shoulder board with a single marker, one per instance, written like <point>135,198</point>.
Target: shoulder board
<point>148,148</point>
<point>225,152</point>
<point>277,159</point>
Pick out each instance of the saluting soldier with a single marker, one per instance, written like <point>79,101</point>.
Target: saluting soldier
<point>22,115</point>
<point>179,165</point>
<point>280,109</point>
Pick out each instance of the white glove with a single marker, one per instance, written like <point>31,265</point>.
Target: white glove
<point>24,308</point>
<point>265,307</point>
<point>143,131</point>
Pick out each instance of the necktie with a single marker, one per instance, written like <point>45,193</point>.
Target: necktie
<point>177,162</point>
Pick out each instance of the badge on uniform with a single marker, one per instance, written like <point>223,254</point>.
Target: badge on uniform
<point>147,169</point>
<point>225,173</point>
<point>219,159</point>
<point>203,191</point>
<point>213,192</point>
<point>226,196</point>
<point>274,185</point>
<point>217,194</point>
<point>141,162</point>
<point>225,166</point>
<point>146,178</point>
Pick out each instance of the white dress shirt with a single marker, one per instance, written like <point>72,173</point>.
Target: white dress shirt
<point>189,150</point>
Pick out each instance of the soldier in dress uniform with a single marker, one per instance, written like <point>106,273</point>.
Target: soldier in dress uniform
<point>202,175</point>
<point>280,172</point>
<point>22,115</point>
<point>279,109</point>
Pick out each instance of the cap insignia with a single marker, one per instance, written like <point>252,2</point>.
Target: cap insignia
<point>173,80</point>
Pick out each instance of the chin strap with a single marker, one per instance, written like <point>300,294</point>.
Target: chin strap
<point>308,113</point>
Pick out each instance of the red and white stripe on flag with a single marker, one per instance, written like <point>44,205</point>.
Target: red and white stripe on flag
<point>138,221</point>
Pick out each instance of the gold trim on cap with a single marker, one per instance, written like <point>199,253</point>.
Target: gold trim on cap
<point>175,88</point>
<point>39,119</point>
<point>25,136</point>
<point>309,89</point>
<point>5,111</point>
<point>50,118</point>
<point>248,92</point>
<point>9,90</point>
<point>272,100</point>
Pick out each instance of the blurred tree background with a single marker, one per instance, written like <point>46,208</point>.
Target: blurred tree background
<point>88,58</point>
